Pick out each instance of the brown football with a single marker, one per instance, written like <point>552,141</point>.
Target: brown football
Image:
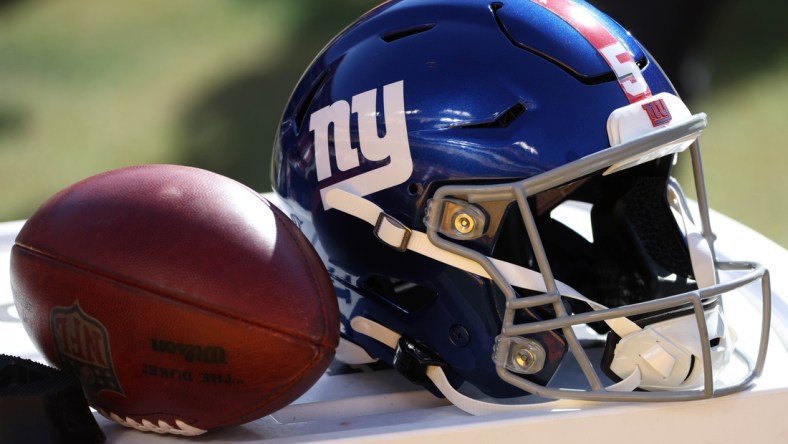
<point>182,299</point>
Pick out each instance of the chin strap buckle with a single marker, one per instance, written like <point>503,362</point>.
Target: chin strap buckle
<point>412,361</point>
<point>392,232</point>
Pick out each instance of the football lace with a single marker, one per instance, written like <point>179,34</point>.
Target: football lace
<point>180,428</point>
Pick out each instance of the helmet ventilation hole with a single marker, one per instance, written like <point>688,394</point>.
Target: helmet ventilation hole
<point>391,36</point>
<point>406,296</point>
<point>502,120</point>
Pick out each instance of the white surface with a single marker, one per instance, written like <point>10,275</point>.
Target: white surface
<point>382,407</point>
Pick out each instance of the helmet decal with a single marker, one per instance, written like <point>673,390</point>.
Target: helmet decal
<point>392,147</point>
<point>658,112</point>
<point>614,52</point>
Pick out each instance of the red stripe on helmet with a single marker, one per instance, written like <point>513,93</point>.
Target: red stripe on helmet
<point>612,51</point>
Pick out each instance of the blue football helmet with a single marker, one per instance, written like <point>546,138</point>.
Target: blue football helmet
<point>489,185</point>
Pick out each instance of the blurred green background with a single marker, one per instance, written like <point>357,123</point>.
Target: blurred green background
<point>91,85</point>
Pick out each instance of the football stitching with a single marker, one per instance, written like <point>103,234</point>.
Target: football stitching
<point>158,292</point>
<point>145,425</point>
<point>321,349</point>
<point>274,395</point>
<point>289,229</point>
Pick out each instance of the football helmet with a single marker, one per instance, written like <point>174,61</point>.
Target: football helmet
<point>489,185</point>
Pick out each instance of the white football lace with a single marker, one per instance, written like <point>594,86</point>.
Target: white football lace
<point>180,428</point>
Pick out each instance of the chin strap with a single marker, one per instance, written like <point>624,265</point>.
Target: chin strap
<point>701,256</point>
<point>660,357</point>
<point>644,358</point>
<point>438,377</point>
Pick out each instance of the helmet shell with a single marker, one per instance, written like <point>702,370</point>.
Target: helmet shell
<point>490,93</point>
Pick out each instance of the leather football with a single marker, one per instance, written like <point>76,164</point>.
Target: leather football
<point>183,300</point>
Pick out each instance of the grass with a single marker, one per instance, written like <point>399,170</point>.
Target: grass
<point>745,151</point>
<point>88,85</point>
<point>745,148</point>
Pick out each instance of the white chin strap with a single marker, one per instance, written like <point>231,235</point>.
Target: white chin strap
<point>467,404</point>
<point>658,357</point>
<point>700,252</point>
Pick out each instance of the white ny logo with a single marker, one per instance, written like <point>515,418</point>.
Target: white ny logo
<point>393,145</point>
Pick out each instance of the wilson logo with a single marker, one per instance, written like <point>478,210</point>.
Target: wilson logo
<point>389,154</point>
<point>191,352</point>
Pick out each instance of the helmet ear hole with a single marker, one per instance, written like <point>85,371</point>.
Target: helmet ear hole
<point>406,296</point>
<point>415,189</point>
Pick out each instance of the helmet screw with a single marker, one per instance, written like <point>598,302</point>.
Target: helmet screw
<point>464,223</point>
<point>524,358</point>
<point>524,355</point>
<point>459,335</point>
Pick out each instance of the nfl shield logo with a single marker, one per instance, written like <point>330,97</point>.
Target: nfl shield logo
<point>658,112</point>
<point>82,345</point>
